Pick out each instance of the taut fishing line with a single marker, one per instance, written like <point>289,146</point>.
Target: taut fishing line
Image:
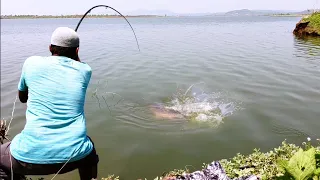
<point>78,25</point>
<point>107,8</point>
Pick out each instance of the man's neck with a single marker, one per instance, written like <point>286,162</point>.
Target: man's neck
<point>63,56</point>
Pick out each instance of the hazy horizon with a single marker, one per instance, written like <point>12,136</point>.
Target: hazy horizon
<point>59,7</point>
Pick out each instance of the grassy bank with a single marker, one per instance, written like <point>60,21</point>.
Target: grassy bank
<point>314,21</point>
<point>308,26</point>
<point>288,161</point>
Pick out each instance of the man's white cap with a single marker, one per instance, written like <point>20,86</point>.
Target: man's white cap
<point>65,37</point>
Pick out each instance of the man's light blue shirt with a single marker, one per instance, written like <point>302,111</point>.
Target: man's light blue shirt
<point>55,129</point>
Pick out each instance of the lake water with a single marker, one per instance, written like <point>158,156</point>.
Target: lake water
<point>270,78</point>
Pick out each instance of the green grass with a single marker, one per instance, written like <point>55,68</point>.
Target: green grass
<point>314,21</point>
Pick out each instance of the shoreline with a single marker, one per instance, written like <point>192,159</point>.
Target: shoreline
<point>73,16</point>
<point>288,15</point>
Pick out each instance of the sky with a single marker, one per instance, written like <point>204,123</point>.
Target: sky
<point>59,7</point>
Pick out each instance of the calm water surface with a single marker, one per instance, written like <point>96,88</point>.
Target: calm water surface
<point>254,62</point>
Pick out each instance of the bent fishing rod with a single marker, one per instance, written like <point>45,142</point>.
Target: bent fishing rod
<point>107,8</point>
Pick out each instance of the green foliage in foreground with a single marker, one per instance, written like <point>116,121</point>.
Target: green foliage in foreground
<point>285,162</point>
<point>303,165</point>
<point>288,161</point>
<point>314,20</point>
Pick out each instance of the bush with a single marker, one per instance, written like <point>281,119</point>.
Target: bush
<point>314,20</point>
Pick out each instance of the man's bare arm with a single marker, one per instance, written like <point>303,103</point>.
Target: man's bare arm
<point>23,96</point>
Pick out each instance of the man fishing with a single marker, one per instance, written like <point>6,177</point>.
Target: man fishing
<point>54,139</point>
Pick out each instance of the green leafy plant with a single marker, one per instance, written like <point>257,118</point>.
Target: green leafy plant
<point>261,164</point>
<point>301,166</point>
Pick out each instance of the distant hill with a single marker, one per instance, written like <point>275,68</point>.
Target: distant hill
<point>247,12</point>
<point>243,12</point>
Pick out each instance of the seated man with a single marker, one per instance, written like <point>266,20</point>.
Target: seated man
<point>54,139</point>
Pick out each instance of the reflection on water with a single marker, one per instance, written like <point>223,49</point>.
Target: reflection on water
<point>307,47</point>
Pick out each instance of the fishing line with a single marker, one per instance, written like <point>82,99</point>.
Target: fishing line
<point>115,11</point>
<point>14,106</point>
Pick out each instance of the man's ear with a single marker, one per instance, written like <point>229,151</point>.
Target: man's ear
<point>77,54</point>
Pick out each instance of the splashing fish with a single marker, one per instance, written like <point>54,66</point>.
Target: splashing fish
<point>194,105</point>
<point>161,111</point>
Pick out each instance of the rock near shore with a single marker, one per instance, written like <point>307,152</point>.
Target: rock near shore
<point>302,29</point>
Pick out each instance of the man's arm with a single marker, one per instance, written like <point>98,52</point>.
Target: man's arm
<point>22,86</point>
<point>23,96</point>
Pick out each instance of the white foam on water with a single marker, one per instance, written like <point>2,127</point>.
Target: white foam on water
<point>202,107</point>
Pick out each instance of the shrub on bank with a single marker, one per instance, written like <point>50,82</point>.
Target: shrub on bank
<point>314,20</point>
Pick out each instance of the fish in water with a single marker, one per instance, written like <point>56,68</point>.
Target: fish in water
<point>160,111</point>
<point>194,104</point>
<point>175,111</point>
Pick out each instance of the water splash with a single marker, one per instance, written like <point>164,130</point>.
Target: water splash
<point>197,105</point>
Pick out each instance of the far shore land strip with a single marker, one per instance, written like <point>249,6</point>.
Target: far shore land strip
<point>118,16</point>
<point>68,16</point>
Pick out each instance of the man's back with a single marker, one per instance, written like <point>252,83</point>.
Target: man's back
<point>56,126</point>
